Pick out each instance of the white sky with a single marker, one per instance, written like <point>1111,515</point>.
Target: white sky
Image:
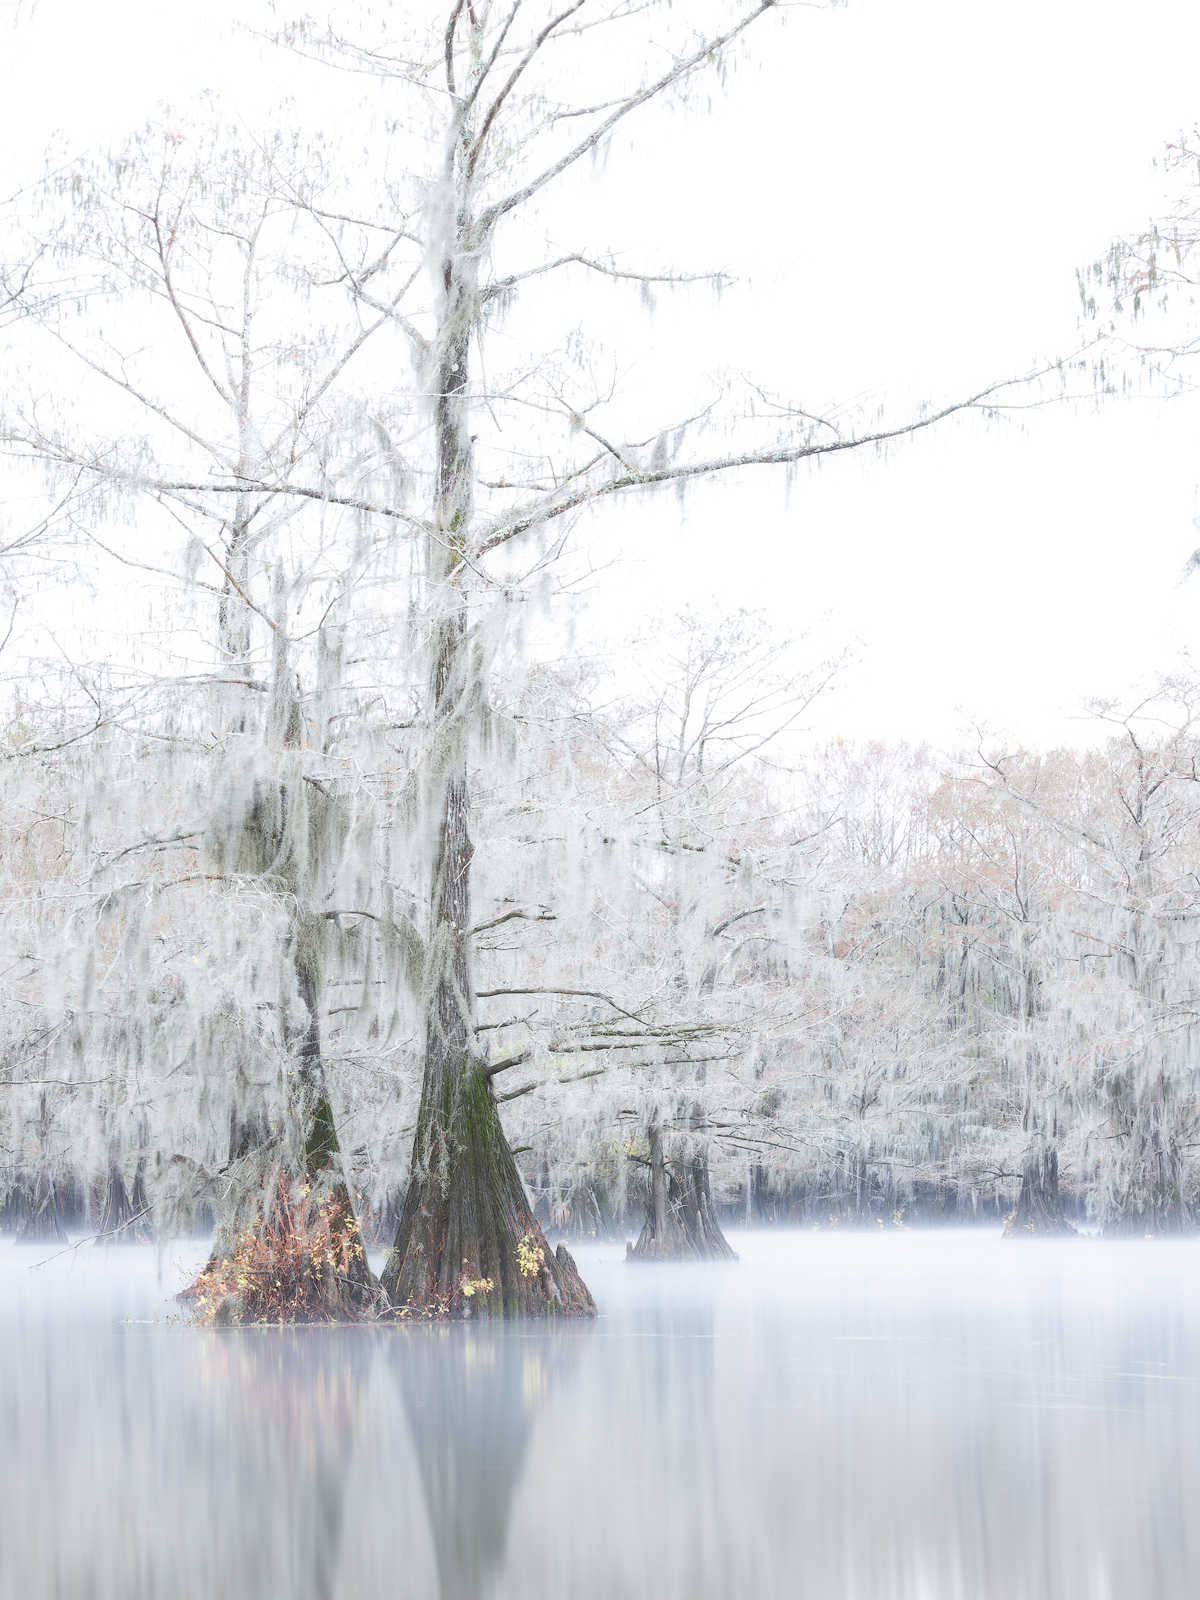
<point>904,189</point>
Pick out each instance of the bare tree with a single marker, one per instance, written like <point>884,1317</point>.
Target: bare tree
<point>722,695</point>
<point>182,252</point>
<point>1147,282</point>
<point>1128,825</point>
<point>493,84</point>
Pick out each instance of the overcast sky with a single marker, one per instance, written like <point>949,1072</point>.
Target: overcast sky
<point>903,190</point>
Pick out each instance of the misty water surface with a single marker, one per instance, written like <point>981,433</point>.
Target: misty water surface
<point>903,1417</point>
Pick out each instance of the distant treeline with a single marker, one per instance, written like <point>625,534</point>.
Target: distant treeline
<point>851,984</point>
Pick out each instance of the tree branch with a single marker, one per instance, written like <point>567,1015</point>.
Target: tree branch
<point>548,507</point>
<point>681,69</point>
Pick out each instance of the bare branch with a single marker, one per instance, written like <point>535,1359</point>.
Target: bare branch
<point>680,70</point>
<point>511,916</point>
<point>550,506</point>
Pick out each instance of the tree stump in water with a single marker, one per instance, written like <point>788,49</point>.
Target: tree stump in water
<point>292,1250</point>
<point>298,1259</point>
<point>682,1224</point>
<point>125,1220</point>
<point>1038,1212</point>
<point>1163,1214</point>
<point>294,1235</point>
<point>593,1217</point>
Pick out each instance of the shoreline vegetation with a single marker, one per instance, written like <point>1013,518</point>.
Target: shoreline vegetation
<point>304,1261</point>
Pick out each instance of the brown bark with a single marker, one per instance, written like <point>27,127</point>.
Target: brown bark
<point>681,1224</point>
<point>323,1171</point>
<point>33,1210</point>
<point>591,1215</point>
<point>468,1242</point>
<point>1038,1212</point>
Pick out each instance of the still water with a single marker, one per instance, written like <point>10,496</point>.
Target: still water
<point>910,1417</point>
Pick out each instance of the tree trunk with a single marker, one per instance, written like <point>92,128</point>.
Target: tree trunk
<point>140,1200</point>
<point>34,1202</point>
<point>1151,1200</point>
<point>592,1215</point>
<point>1038,1212</point>
<point>658,1185</point>
<point>324,1174</point>
<point>34,1210</point>
<point>682,1224</point>
<point>760,1203</point>
<point>286,1205</point>
<point>468,1240</point>
<point>124,1218</point>
<point>119,1219</point>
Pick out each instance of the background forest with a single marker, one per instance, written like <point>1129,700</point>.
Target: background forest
<point>866,986</point>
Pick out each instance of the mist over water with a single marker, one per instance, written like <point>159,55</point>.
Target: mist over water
<point>903,1417</point>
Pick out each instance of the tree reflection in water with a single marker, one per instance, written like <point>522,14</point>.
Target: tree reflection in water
<point>471,1398</point>
<point>178,1462</point>
<point>300,1396</point>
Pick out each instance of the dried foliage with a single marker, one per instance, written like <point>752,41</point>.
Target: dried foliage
<point>294,1264</point>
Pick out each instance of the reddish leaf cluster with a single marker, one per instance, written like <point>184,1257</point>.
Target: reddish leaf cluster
<point>289,1265</point>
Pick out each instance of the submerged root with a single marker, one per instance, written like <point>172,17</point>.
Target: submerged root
<point>301,1260</point>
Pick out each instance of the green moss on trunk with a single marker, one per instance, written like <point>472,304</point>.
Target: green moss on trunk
<point>468,1242</point>
<point>321,1143</point>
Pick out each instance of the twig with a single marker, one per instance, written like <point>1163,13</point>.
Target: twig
<point>93,1239</point>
